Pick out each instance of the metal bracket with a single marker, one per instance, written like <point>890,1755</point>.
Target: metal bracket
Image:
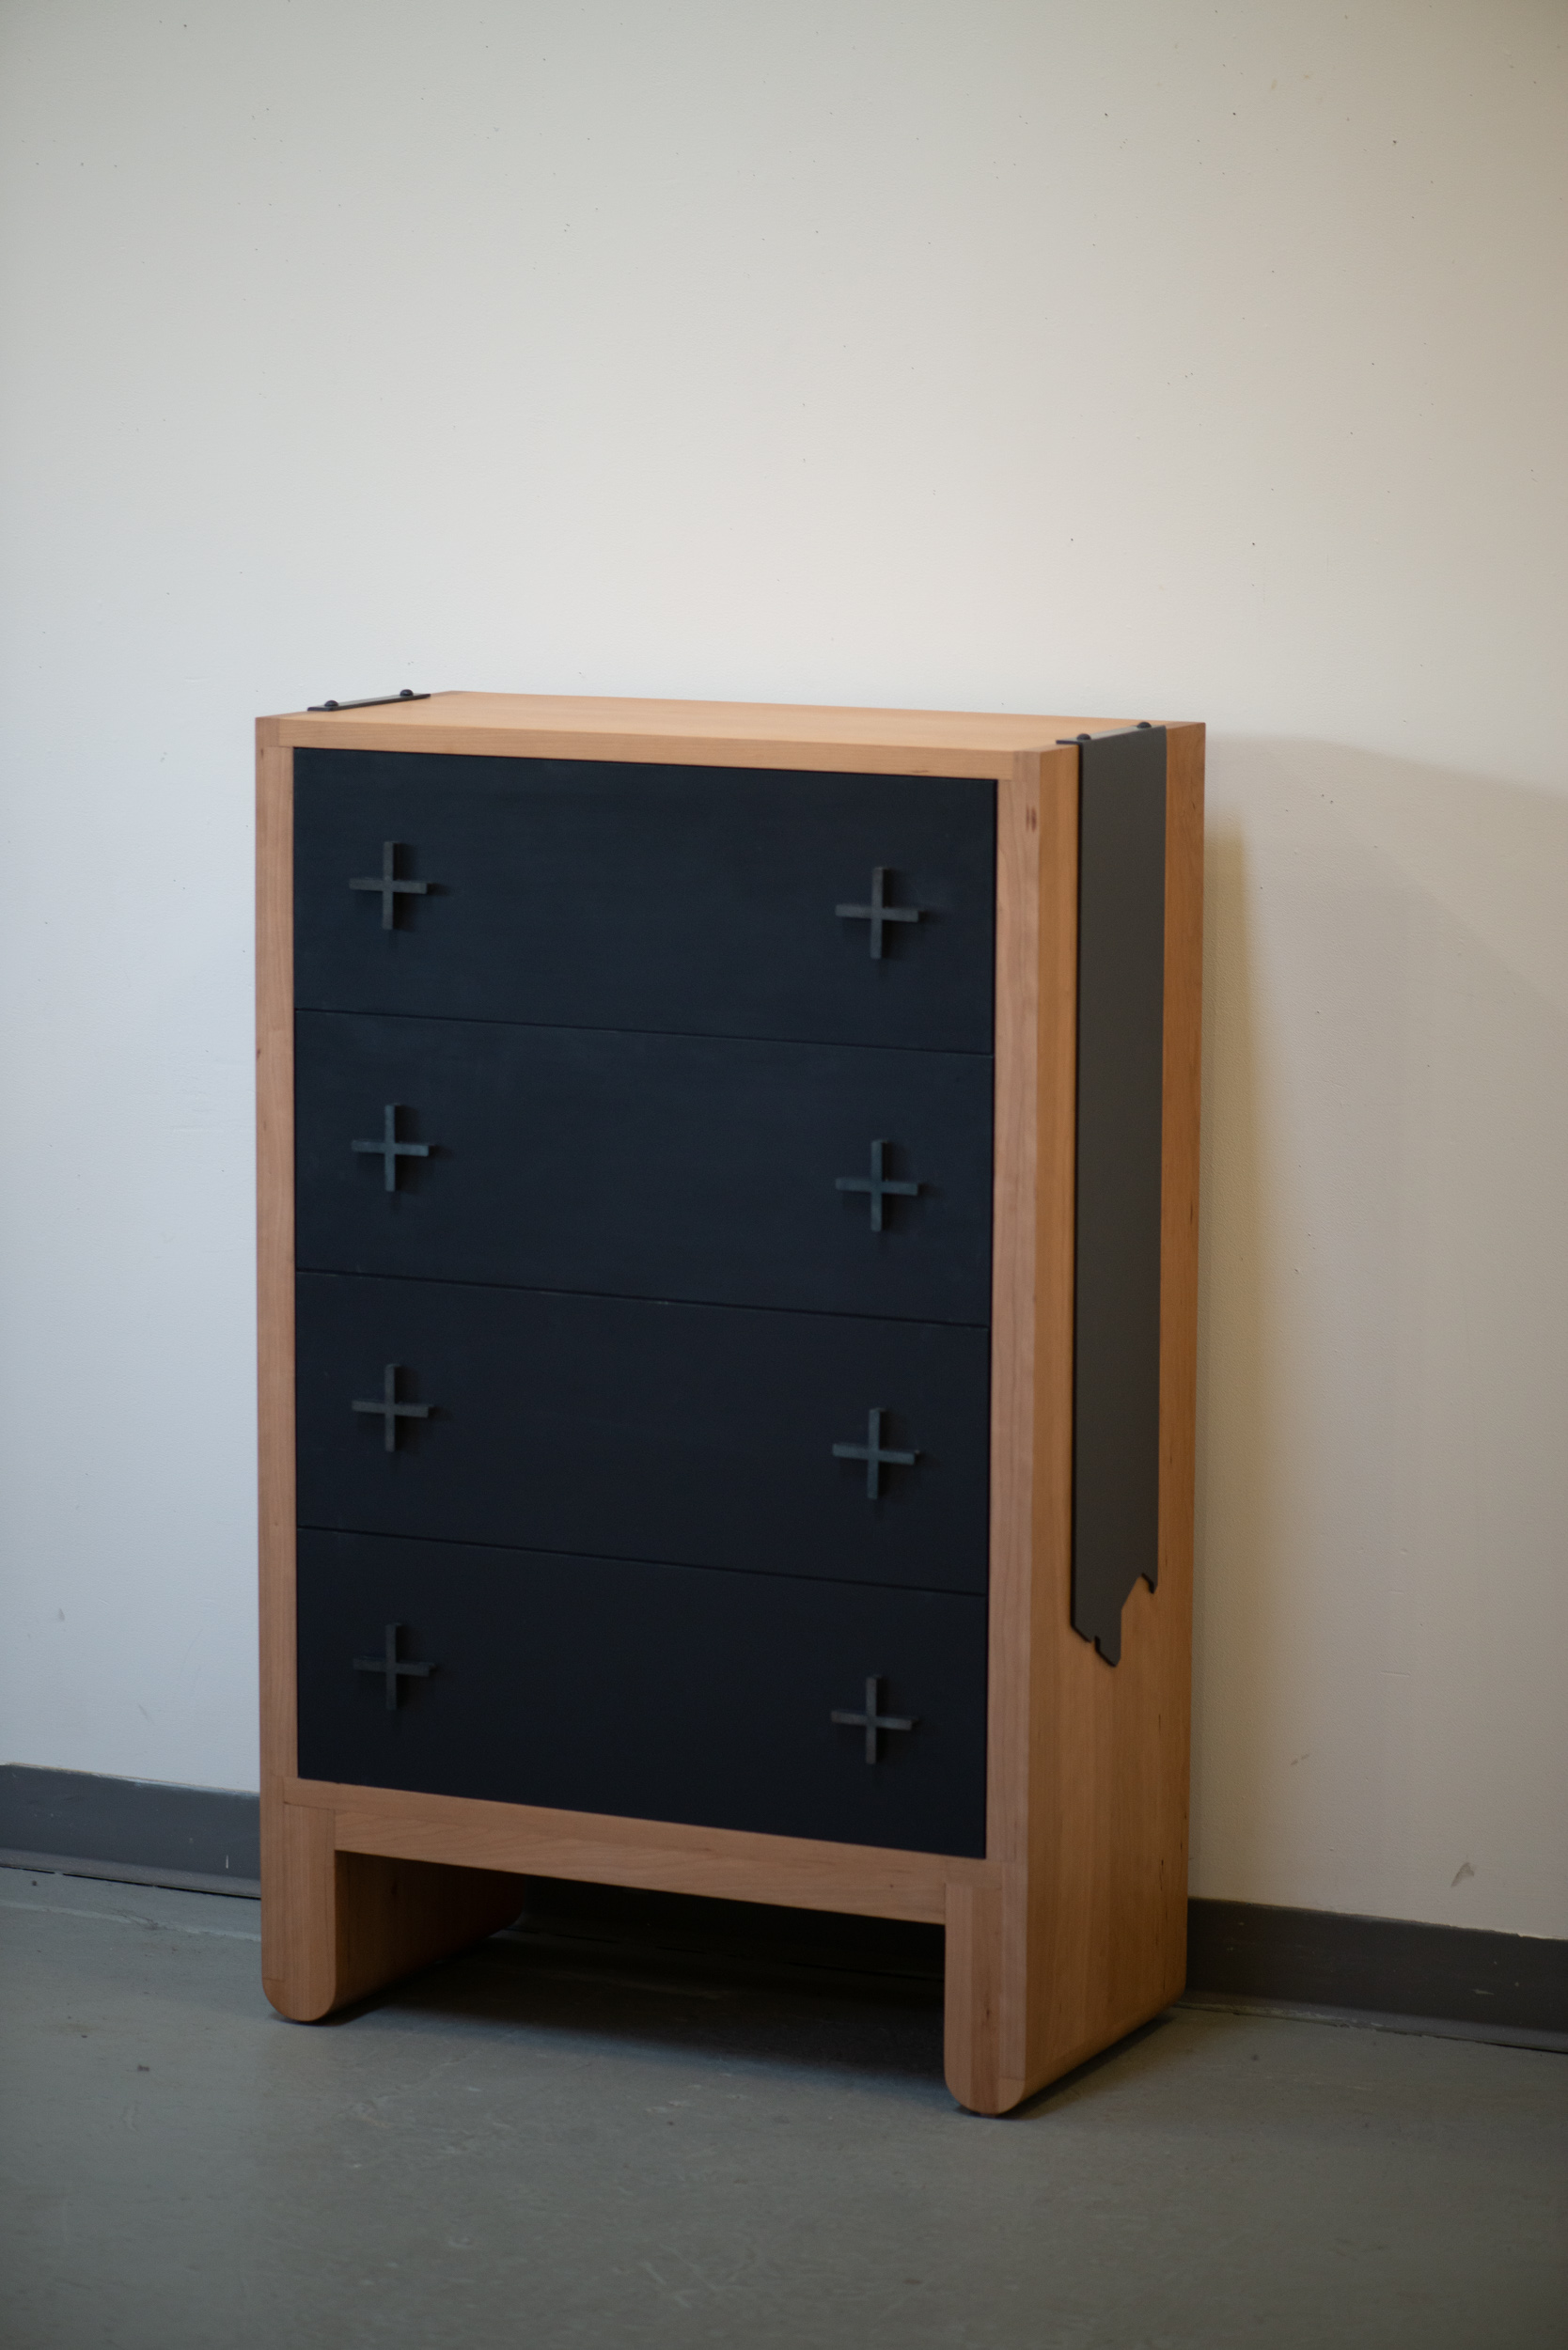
<point>1069,742</point>
<point>371,701</point>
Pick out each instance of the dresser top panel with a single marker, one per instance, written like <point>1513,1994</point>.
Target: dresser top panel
<point>707,734</point>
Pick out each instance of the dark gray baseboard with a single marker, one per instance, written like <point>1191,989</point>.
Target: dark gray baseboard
<point>139,1830</point>
<point>1455,1980</point>
<point>1389,1965</point>
<point>1510,1987</point>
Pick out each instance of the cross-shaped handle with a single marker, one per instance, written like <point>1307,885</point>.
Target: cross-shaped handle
<point>389,1408</point>
<point>876,1184</point>
<point>388,1663</point>
<point>386,883</point>
<point>390,1149</point>
<point>872,1722</point>
<point>873,1453</point>
<point>879,912</point>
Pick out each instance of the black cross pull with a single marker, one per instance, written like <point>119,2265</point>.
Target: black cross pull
<point>388,1663</point>
<point>876,1184</point>
<point>871,1721</point>
<point>387,883</point>
<point>390,1409</point>
<point>873,1455</point>
<point>390,1149</point>
<point>879,912</point>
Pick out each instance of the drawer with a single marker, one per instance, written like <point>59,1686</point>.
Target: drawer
<point>699,1435</point>
<point>576,893</point>
<point>682,1166</point>
<point>643,1691</point>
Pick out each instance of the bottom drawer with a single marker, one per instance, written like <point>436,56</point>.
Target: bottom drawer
<point>687,1694</point>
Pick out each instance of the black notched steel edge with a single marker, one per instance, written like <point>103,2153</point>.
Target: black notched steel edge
<point>1116,1367</point>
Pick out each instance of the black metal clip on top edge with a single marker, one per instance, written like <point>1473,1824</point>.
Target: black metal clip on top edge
<point>1065,741</point>
<point>371,701</point>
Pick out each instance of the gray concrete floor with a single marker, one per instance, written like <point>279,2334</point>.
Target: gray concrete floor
<point>543,2145</point>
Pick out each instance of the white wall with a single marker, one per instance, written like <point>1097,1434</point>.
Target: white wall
<point>1155,359</point>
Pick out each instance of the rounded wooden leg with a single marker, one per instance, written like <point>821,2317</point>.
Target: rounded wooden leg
<point>983,2071</point>
<point>338,1925</point>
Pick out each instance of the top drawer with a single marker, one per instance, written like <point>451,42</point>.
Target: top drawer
<point>710,900</point>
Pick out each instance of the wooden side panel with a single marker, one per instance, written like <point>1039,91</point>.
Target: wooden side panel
<point>1012,1318</point>
<point>1183,980</point>
<point>394,1917</point>
<point>281,1927</point>
<point>343,1924</point>
<point>1107,1897</point>
<point>1032,1349</point>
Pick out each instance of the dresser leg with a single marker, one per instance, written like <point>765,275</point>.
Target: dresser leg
<point>983,2071</point>
<point>339,1925</point>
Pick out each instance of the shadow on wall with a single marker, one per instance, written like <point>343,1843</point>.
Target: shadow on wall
<point>1383,1479</point>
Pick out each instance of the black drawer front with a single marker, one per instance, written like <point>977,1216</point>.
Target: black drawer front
<point>648,1692</point>
<point>576,893</point>
<point>697,1434</point>
<point>645,1166</point>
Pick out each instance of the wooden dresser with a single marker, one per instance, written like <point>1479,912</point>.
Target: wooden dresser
<point>727,1201</point>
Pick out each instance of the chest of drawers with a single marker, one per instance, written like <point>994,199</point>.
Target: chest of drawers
<point>728,1262</point>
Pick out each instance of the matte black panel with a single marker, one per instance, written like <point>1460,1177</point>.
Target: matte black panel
<point>1116,1440</point>
<point>664,1693</point>
<point>700,1434</point>
<point>645,1166</point>
<point>581,894</point>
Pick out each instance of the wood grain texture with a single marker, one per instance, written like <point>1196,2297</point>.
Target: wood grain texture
<point>299,1911</point>
<point>1179,1205</point>
<point>345,1923</point>
<point>1015,1143</point>
<point>1031,1371</point>
<point>792,1871</point>
<point>698,735</point>
<point>275,1214</point>
<point>1107,1844</point>
<point>972,1998</point>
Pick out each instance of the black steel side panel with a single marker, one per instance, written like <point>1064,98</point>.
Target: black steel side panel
<point>583,894</point>
<point>1116,1439</point>
<point>650,1692</point>
<point>634,1429</point>
<point>684,1167</point>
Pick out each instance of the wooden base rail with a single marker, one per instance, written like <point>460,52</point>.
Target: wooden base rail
<point>379,1883</point>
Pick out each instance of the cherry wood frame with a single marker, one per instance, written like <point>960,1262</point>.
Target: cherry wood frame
<point>1071,1931</point>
